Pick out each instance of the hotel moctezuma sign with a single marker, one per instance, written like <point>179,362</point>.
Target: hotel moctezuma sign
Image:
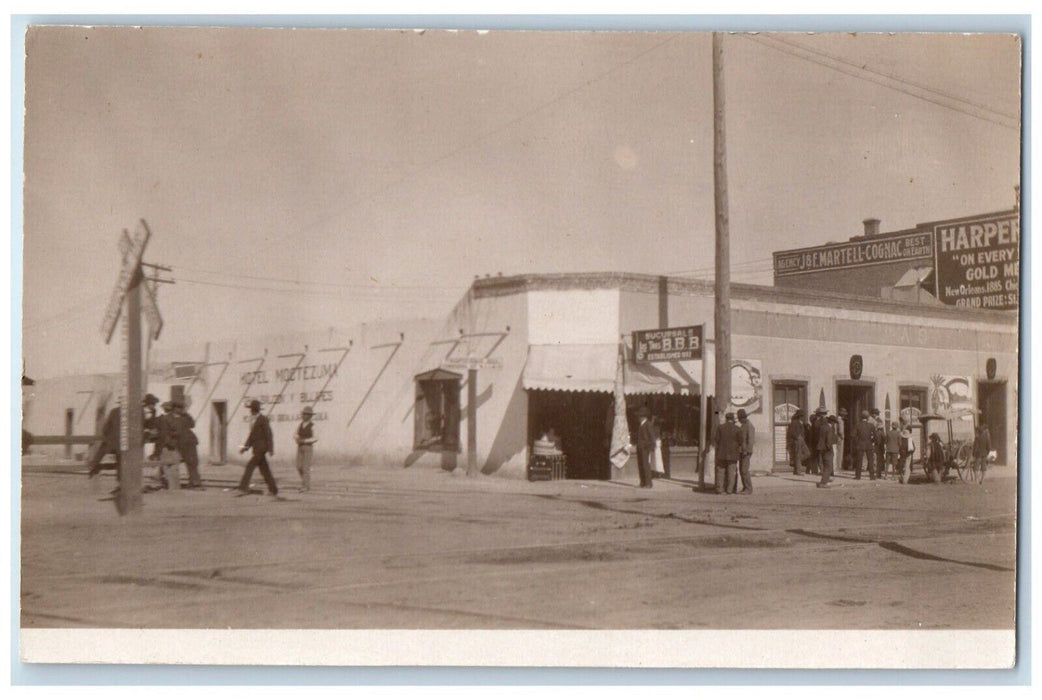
<point>978,262</point>
<point>840,256</point>
<point>668,344</point>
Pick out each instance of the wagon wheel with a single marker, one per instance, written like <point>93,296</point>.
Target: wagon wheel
<point>965,463</point>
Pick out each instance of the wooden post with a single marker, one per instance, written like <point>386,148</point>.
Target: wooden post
<point>722,309</point>
<point>472,418</point>
<point>703,407</point>
<point>130,477</point>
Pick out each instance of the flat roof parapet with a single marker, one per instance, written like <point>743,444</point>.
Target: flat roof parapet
<point>651,284</point>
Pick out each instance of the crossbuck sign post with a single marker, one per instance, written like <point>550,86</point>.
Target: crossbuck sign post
<point>126,302</point>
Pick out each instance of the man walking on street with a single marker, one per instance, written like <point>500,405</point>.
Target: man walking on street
<point>748,439</point>
<point>262,443</point>
<point>728,445</point>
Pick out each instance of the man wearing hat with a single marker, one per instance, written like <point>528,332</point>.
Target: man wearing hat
<point>305,438</point>
<point>645,446</point>
<point>863,446</point>
<point>187,442</point>
<point>826,448</point>
<point>110,434</point>
<point>148,423</point>
<point>841,437</point>
<point>728,445</point>
<point>166,451</point>
<point>817,422</point>
<point>748,439</point>
<point>261,441</point>
<point>880,443</point>
<point>796,441</point>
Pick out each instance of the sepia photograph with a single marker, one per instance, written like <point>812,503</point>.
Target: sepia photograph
<point>518,348</point>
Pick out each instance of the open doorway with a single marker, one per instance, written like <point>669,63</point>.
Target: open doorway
<point>855,397</point>
<point>583,421</point>
<point>991,401</point>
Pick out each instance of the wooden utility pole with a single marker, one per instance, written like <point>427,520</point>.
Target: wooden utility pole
<point>130,477</point>
<point>126,302</point>
<point>722,309</point>
<point>472,420</point>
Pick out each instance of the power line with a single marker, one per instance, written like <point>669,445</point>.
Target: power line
<point>308,292</point>
<point>338,285</point>
<point>744,264</point>
<point>858,75</point>
<point>890,76</point>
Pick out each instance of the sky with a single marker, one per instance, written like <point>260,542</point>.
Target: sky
<point>305,179</point>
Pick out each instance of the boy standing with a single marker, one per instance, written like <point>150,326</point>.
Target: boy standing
<point>306,439</point>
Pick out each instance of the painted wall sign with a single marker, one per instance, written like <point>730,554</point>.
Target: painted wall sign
<point>978,262</point>
<point>668,344</point>
<point>839,256</point>
<point>951,395</point>
<point>747,385</point>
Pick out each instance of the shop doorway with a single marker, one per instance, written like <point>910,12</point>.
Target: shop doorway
<point>991,401</point>
<point>583,421</point>
<point>855,397</point>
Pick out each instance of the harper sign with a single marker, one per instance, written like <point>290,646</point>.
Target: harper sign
<point>978,262</point>
<point>668,344</point>
<point>131,263</point>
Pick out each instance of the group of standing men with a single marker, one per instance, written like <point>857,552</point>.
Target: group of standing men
<point>171,434</point>
<point>887,448</point>
<point>813,446</point>
<point>733,445</point>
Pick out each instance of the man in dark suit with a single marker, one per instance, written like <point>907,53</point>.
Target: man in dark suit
<point>728,445</point>
<point>186,443</point>
<point>863,446</point>
<point>645,446</point>
<point>262,443</point>
<point>796,441</point>
<point>748,442</point>
<point>826,448</point>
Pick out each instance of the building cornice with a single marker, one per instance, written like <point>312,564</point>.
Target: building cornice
<point>682,286</point>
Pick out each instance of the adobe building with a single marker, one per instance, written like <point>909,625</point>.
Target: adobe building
<point>552,350</point>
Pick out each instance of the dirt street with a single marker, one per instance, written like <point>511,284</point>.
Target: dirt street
<point>429,549</point>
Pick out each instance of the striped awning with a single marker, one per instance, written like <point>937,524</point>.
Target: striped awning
<point>571,367</point>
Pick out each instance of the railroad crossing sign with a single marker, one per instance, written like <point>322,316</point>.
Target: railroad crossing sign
<point>148,302</point>
<point>131,268</point>
<point>127,292</point>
